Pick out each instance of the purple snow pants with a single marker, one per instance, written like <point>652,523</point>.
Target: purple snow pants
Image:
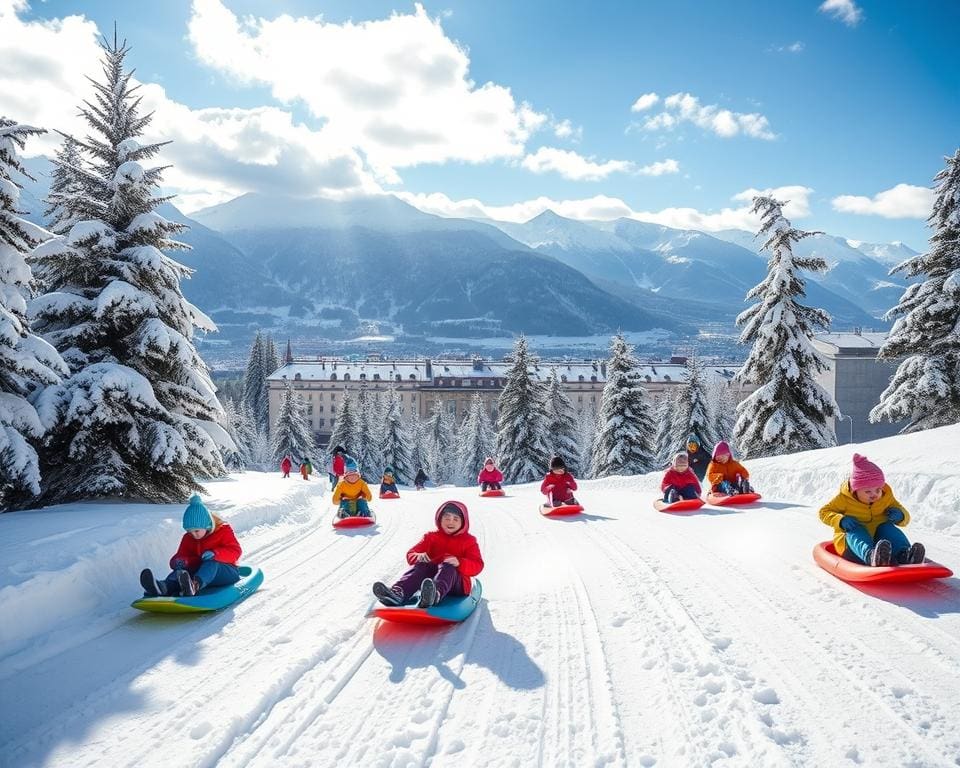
<point>446,576</point>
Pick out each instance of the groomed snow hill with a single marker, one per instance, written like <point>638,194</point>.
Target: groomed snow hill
<point>622,637</point>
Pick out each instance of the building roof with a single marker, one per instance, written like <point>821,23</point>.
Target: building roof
<point>858,343</point>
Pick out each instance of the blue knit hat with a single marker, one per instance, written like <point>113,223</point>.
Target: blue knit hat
<point>350,465</point>
<point>197,516</point>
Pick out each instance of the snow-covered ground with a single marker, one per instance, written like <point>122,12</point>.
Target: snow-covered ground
<point>622,637</point>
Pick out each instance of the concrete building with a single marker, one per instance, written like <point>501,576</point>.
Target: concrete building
<point>856,379</point>
<point>421,382</point>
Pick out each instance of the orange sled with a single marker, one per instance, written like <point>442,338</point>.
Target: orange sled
<point>492,492</point>
<point>722,500</point>
<point>354,521</point>
<point>828,559</point>
<point>566,509</point>
<point>684,505</point>
<point>389,495</point>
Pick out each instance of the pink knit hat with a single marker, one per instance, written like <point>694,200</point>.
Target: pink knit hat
<point>865,474</point>
<point>721,448</point>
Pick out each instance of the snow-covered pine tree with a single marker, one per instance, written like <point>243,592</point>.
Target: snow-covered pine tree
<point>476,442</point>
<point>692,414</point>
<point>26,361</point>
<point>439,444</point>
<point>271,360</point>
<point>116,311</point>
<point>664,411</point>
<point>255,383</point>
<point>625,431</point>
<point>374,429</point>
<point>788,411</point>
<point>563,433</point>
<point>723,406</point>
<point>925,389</point>
<point>234,460</point>
<point>587,419</point>
<point>396,440</point>
<point>253,444</point>
<point>292,435</point>
<point>418,448</point>
<point>346,427</point>
<point>69,200</point>
<point>522,421</point>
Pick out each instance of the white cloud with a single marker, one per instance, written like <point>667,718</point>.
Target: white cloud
<point>846,10</point>
<point>564,129</point>
<point>794,47</point>
<point>660,168</point>
<point>904,201</point>
<point>684,107</point>
<point>398,89</point>
<point>644,102</point>
<point>576,167</point>
<point>603,208</point>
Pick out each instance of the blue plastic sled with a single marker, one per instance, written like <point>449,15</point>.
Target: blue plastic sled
<point>450,610</point>
<point>211,599</point>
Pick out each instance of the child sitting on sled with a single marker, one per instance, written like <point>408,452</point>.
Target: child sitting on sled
<point>558,485</point>
<point>207,556</point>
<point>680,481</point>
<point>867,520</point>
<point>697,458</point>
<point>441,563</point>
<point>725,474</point>
<point>352,493</point>
<point>388,482</point>
<point>490,478</point>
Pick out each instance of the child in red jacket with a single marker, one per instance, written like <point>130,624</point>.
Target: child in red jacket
<point>490,478</point>
<point>207,556</point>
<point>442,562</point>
<point>559,484</point>
<point>680,482</point>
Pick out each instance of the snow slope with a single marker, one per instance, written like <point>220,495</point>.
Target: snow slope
<point>622,637</point>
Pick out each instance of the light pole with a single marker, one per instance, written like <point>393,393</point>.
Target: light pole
<point>850,419</point>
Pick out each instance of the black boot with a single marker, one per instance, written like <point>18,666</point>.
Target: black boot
<point>428,594</point>
<point>916,554</point>
<point>188,585</point>
<point>151,587</point>
<point>387,595</point>
<point>879,556</point>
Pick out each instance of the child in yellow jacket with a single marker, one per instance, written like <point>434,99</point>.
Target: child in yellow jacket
<point>867,520</point>
<point>725,474</point>
<point>352,493</point>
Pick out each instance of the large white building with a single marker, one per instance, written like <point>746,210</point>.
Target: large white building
<point>420,382</point>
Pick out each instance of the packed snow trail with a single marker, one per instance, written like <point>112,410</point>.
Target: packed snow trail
<point>623,637</point>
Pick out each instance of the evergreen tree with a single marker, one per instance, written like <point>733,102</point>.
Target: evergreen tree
<point>418,447</point>
<point>68,200</point>
<point>666,447</point>
<point>692,414</point>
<point>723,406</point>
<point>292,435</point>
<point>234,460</point>
<point>625,432</point>
<point>439,444</point>
<point>116,310</point>
<point>562,428</point>
<point>788,412</point>
<point>477,440</point>
<point>255,383</point>
<point>271,361</point>
<point>588,433</point>
<point>396,440</point>
<point>522,421</point>
<point>925,389</point>
<point>346,427</point>
<point>26,362</point>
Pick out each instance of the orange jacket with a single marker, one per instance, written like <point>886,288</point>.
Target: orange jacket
<point>717,472</point>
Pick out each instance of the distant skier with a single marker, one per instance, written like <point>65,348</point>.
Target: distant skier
<point>725,474</point>
<point>559,484</point>
<point>420,480</point>
<point>388,482</point>
<point>306,469</point>
<point>868,521</point>
<point>286,465</point>
<point>679,482</point>
<point>441,563</point>
<point>207,556</point>
<point>352,493</point>
<point>490,478</point>
<point>697,457</point>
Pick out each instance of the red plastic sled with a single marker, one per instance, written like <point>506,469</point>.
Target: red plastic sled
<point>828,559</point>
<point>566,509</point>
<point>722,500</point>
<point>684,505</point>
<point>353,522</point>
<point>389,495</point>
<point>450,610</point>
<point>492,492</point>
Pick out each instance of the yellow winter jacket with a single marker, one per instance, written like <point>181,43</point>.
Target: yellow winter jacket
<point>351,491</point>
<point>869,515</point>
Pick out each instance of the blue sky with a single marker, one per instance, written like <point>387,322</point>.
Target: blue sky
<point>833,106</point>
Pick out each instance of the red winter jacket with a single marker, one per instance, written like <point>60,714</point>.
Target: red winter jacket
<point>558,486</point>
<point>490,476</point>
<point>221,540</point>
<point>680,480</point>
<point>462,545</point>
<point>286,465</point>
<point>338,465</point>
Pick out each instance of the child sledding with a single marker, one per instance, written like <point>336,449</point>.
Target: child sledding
<point>352,496</point>
<point>869,543</point>
<point>388,485</point>
<point>442,566</point>
<point>728,478</point>
<point>680,486</point>
<point>490,479</point>
<point>558,486</point>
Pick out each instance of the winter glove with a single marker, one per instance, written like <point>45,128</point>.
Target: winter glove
<point>848,523</point>
<point>726,488</point>
<point>208,555</point>
<point>894,515</point>
<point>178,564</point>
